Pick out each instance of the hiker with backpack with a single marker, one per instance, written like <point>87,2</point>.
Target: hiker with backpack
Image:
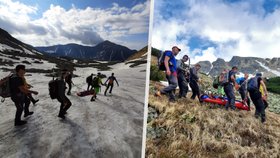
<point>181,75</point>
<point>68,80</point>
<point>96,84</point>
<point>168,63</point>
<point>57,90</point>
<point>89,81</point>
<point>194,79</point>
<point>111,80</point>
<point>229,82</point>
<point>19,94</point>
<point>254,90</point>
<point>242,82</point>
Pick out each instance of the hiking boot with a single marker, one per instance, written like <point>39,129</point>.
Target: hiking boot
<point>19,123</point>
<point>263,120</point>
<point>158,94</point>
<point>61,116</point>
<point>92,99</point>
<point>27,114</point>
<point>35,101</point>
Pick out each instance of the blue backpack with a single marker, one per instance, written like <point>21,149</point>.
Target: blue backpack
<point>253,84</point>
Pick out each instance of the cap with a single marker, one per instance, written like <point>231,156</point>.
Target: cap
<point>185,57</point>
<point>177,48</point>
<point>259,74</point>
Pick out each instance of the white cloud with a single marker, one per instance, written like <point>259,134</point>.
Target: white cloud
<point>241,29</point>
<point>88,26</point>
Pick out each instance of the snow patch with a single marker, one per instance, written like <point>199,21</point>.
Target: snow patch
<point>268,69</point>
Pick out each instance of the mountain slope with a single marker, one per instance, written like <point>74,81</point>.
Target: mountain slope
<point>9,43</point>
<point>187,129</point>
<point>105,51</point>
<point>251,65</point>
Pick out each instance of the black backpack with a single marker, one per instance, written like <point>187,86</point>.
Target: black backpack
<point>5,87</point>
<point>252,84</point>
<point>161,65</point>
<point>89,79</point>
<point>53,88</point>
<point>95,81</point>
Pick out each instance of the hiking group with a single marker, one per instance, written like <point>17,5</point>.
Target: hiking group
<point>178,73</point>
<point>16,87</point>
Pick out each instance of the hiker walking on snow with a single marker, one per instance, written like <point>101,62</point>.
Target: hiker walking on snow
<point>111,80</point>
<point>89,81</point>
<point>181,75</point>
<point>194,79</point>
<point>96,84</point>
<point>228,88</point>
<point>242,82</point>
<point>171,73</point>
<point>68,80</point>
<point>19,95</point>
<point>256,96</point>
<point>64,101</point>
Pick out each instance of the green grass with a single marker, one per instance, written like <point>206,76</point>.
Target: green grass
<point>156,74</point>
<point>273,85</point>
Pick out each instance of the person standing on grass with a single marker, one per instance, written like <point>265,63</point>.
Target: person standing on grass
<point>171,73</point>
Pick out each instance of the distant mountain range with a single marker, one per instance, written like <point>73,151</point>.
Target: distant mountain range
<point>104,51</point>
<point>251,65</point>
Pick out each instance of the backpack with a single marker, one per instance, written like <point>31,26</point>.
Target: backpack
<point>161,65</point>
<point>252,84</point>
<point>216,82</point>
<point>5,87</point>
<point>53,88</point>
<point>89,79</point>
<point>95,81</point>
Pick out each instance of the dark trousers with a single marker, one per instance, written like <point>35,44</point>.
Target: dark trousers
<point>195,89</point>
<point>228,88</point>
<point>89,86</point>
<point>256,98</point>
<point>242,93</point>
<point>69,87</point>
<point>108,86</point>
<point>65,105</point>
<point>183,84</point>
<point>172,80</point>
<point>22,104</point>
<point>31,98</point>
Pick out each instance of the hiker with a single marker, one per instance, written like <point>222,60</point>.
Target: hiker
<point>181,75</point>
<point>64,101</point>
<point>111,80</point>
<point>194,79</point>
<point>171,73</point>
<point>68,80</point>
<point>96,84</point>
<point>242,82</point>
<point>256,96</point>
<point>19,95</point>
<point>228,87</point>
<point>89,81</point>
<point>28,86</point>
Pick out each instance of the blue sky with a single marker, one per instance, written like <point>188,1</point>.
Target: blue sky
<point>86,22</point>
<point>208,29</point>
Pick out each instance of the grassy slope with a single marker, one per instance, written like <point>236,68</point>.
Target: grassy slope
<point>187,129</point>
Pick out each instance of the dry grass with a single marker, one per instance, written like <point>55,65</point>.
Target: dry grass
<point>187,129</point>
